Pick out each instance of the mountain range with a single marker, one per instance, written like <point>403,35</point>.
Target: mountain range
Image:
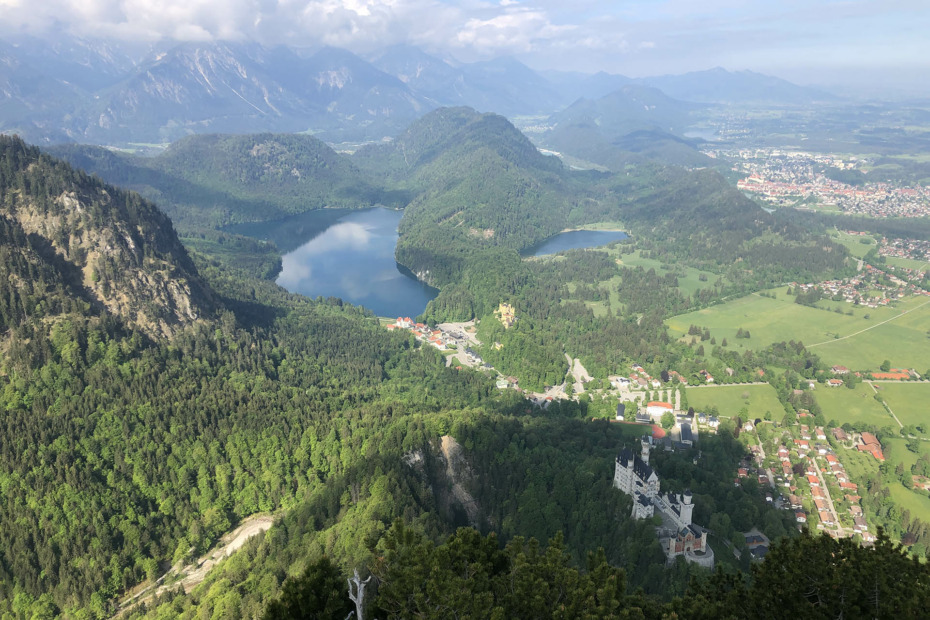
<point>75,90</point>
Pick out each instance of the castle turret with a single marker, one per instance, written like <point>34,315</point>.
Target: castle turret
<point>646,443</point>
<point>687,507</point>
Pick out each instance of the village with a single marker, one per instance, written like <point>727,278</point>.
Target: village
<point>805,474</point>
<point>799,468</point>
<point>786,178</point>
<point>872,287</point>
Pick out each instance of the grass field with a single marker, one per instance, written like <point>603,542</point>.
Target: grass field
<point>856,406</point>
<point>909,401</point>
<point>689,279</point>
<point>853,243</point>
<point>915,501</point>
<point>729,399</point>
<point>854,341</point>
<point>896,451</point>
<point>908,263</point>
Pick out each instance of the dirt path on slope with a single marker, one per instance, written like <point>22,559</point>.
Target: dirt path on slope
<point>191,575</point>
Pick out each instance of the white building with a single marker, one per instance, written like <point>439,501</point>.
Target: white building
<point>677,535</point>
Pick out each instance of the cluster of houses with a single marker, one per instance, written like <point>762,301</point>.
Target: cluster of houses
<point>914,249</point>
<point>677,534</point>
<point>640,379</point>
<point>854,290</point>
<point>436,337</point>
<point>892,374</point>
<point>863,442</point>
<point>810,465</point>
<point>684,432</point>
<point>783,178</point>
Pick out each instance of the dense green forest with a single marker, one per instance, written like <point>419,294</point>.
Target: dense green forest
<point>207,181</point>
<point>470,575</point>
<point>126,448</point>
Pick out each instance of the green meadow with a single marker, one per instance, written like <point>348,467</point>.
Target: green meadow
<point>730,399</point>
<point>856,406</point>
<point>860,340</point>
<point>909,401</point>
<point>862,466</point>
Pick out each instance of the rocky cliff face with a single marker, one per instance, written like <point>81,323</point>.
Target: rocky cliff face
<point>447,471</point>
<point>116,249</point>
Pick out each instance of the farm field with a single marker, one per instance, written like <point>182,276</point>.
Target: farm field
<point>909,401</point>
<point>730,399</point>
<point>851,340</point>
<point>856,406</point>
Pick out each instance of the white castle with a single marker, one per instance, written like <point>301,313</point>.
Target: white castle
<point>678,535</point>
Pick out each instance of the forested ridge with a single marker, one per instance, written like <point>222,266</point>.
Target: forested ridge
<point>125,450</point>
<point>211,180</point>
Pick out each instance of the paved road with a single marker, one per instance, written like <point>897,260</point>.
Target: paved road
<point>823,485</point>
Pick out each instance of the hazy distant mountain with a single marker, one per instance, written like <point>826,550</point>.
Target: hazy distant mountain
<point>503,85</point>
<point>722,86</point>
<point>507,86</point>
<point>351,89</point>
<point>71,89</point>
<point>631,108</point>
<point>29,98</point>
<point>574,85</point>
<point>428,75</point>
<point>87,64</point>
<point>193,88</point>
<point>634,119</point>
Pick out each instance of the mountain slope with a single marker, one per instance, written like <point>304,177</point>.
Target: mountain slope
<point>721,86</point>
<point>214,180</point>
<point>504,85</point>
<point>104,245</point>
<point>633,119</point>
<point>479,184</point>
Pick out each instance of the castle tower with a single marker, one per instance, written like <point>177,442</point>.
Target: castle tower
<point>687,507</point>
<point>646,443</point>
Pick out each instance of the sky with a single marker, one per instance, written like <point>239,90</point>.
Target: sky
<point>807,41</point>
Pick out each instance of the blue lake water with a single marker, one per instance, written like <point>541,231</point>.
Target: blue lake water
<point>347,254</point>
<point>575,240</point>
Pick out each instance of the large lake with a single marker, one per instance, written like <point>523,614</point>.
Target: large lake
<point>347,254</point>
<point>575,240</point>
<point>350,254</point>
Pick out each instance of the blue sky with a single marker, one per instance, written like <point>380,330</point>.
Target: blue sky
<point>811,41</point>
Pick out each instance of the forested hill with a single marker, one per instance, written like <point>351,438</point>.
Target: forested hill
<point>482,192</point>
<point>478,183</point>
<point>214,180</point>
<point>72,243</point>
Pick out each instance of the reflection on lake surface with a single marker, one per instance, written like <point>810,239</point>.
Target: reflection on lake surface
<point>575,240</point>
<point>350,255</point>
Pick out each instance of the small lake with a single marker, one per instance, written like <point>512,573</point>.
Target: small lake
<point>575,240</point>
<point>347,254</point>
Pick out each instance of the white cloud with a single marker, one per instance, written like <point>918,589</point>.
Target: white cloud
<point>632,36</point>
